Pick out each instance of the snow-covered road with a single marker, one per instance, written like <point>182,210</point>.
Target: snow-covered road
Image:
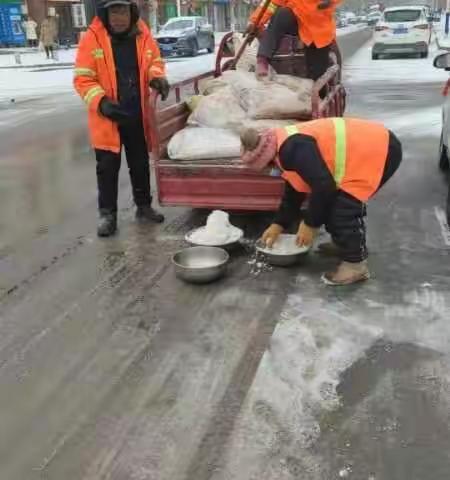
<point>19,84</point>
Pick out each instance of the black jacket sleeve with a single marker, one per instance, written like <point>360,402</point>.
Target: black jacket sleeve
<point>290,206</point>
<point>300,154</point>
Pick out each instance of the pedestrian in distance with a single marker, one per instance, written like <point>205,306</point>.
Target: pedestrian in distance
<point>117,63</point>
<point>48,36</point>
<point>313,21</point>
<point>339,163</point>
<point>29,27</point>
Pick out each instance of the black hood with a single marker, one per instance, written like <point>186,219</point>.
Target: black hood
<point>102,14</point>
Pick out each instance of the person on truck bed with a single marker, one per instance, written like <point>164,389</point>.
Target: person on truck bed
<point>313,22</point>
<point>117,61</point>
<point>340,163</point>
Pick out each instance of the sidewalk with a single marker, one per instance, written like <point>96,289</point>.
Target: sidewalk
<point>32,58</point>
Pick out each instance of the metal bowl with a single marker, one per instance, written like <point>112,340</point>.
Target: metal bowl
<point>200,264</point>
<point>285,252</point>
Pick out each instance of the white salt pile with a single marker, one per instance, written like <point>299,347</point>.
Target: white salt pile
<point>217,231</point>
<point>286,244</point>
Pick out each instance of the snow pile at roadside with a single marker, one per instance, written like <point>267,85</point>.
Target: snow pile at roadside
<point>38,58</point>
<point>19,84</point>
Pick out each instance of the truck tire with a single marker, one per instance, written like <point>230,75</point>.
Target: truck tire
<point>444,163</point>
<point>375,56</point>
<point>424,54</point>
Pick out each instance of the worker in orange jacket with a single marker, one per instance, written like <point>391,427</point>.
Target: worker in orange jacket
<point>340,163</point>
<point>117,63</point>
<point>312,20</point>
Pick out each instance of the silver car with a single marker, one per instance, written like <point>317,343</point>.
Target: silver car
<point>443,62</point>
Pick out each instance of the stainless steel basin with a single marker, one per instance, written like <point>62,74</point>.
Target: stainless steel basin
<point>285,251</point>
<point>200,264</point>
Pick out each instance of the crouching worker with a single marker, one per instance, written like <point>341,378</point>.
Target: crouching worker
<point>340,163</point>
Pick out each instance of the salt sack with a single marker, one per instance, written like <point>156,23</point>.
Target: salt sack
<point>280,98</point>
<point>217,231</point>
<point>221,109</point>
<point>215,84</point>
<point>202,143</point>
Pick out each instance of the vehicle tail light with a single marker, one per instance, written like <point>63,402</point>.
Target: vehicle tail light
<point>381,29</point>
<point>425,26</point>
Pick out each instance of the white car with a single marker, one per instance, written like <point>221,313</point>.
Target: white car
<point>402,30</point>
<point>443,61</point>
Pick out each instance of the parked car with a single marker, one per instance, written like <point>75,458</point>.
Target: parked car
<point>185,36</point>
<point>373,18</point>
<point>443,62</point>
<point>402,30</point>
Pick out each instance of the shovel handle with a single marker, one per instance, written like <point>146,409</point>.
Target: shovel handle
<point>249,38</point>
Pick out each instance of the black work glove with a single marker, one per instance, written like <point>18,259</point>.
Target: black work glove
<point>324,4</point>
<point>113,111</point>
<point>161,85</point>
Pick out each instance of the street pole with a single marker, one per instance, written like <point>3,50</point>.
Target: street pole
<point>179,8</point>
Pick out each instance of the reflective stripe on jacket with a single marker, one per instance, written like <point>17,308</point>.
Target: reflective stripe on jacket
<point>354,150</point>
<point>95,77</point>
<point>314,26</point>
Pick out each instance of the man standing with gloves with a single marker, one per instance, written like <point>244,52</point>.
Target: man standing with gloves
<point>340,163</point>
<point>117,61</point>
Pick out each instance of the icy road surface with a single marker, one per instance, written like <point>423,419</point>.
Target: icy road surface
<point>111,369</point>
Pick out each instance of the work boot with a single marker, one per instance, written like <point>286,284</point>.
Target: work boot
<point>347,273</point>
<point>149,214</point>
<point>329,249</point>
<point>107,224</point>
<point>262,68</point>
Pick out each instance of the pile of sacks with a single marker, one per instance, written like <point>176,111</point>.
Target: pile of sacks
<point>234,101</point>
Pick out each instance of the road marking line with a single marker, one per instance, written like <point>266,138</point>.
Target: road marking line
<point>441,218</point>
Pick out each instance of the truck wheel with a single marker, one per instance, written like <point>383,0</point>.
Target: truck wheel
<point>194,48</point>
<point>444,163</point>
<point>424,54</point>
<point>211,46</point>
<point>375,56</point>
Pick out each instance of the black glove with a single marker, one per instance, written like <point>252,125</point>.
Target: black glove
<point>113,111</point>
<point>161,85</point>
<point>324,4</point>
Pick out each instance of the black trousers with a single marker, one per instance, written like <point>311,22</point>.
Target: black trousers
<point>108,166</point>
<point>346,223</point>
<point>49,51</point>
<point>284,22</point>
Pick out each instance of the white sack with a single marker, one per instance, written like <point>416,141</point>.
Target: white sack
<point>218,110</point>
<point>284,97</point>
<point>198,143</point>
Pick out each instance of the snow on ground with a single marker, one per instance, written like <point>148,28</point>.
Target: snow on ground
<point>38,58</point>
<point>350,29</point>
<point>23,83</point>
<point>361,68</point>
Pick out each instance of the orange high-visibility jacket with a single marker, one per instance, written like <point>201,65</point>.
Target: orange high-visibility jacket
<point>314,26</point>
<point>95,77</point>
<point>355,151</point>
